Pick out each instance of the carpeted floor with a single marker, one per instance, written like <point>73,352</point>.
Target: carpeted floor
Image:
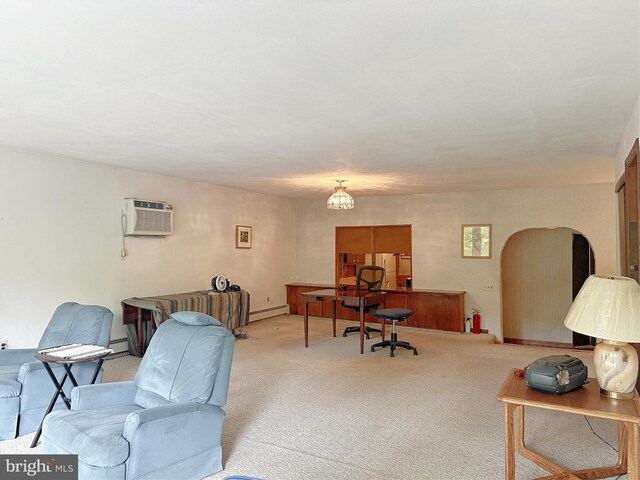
<point>327,412</point>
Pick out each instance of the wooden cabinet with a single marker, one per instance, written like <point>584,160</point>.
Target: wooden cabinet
<point>434,309</point>
<point>296,302</point>
<point>395,300</point>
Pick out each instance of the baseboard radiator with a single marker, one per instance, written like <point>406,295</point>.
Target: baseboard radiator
<point>119,345</point>
<point>268,313</point>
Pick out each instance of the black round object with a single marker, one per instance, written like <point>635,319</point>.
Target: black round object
<point>219,283</point>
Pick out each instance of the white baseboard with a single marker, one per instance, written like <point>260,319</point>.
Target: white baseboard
<point>268,313</point>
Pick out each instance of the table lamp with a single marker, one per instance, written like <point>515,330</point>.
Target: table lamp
<point>609,308</point>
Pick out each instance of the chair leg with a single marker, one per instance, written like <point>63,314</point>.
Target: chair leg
<point>394,343</point>
<point>349,330</point>
<point>383,344</point>
<point>407,346</point>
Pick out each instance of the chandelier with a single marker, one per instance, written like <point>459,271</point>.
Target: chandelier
<point>340,199</point>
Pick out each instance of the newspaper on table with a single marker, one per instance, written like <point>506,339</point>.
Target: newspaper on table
<point>76,351</point>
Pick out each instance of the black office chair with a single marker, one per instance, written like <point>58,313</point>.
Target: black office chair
<point>369,277</point>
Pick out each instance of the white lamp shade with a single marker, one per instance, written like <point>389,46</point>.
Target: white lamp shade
<point>607,308</point>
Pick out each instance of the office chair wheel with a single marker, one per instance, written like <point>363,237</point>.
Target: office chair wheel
<point>415,352</point>
<point>392,354</point>
<point>373,349</point>
<point>367,335</point>
<point>344,334</point>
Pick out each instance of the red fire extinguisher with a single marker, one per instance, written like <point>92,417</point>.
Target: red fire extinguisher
<point>476,321</point>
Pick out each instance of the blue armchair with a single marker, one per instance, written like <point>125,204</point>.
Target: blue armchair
<point>165,424</point>
<point>25,386</point>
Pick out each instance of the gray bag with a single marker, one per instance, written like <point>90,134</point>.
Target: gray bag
<point>556,374</point>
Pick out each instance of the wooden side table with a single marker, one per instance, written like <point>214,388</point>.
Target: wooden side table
<point>57,356</point>
<point>585,400</point>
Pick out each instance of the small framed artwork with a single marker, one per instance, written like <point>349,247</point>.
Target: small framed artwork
<point>476,241</point>
<point>243,236</point>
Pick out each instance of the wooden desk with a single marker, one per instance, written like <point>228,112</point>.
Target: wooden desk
<point>585,400</point>
<point>355,298</point>
<point>433,309</point>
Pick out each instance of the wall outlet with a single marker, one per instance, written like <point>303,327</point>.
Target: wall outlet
<point>3,344</point>
<point>488,288</point>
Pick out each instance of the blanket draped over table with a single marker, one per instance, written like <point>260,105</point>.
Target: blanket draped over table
<point>231,308</point>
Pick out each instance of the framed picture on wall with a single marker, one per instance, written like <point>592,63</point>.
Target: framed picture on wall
<point>476,241</point>
<point>243,236</point>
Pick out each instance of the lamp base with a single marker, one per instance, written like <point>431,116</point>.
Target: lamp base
<point>615,395</point>
<point>616,366</point>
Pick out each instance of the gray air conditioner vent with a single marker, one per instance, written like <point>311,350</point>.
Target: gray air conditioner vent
<point>149,218</point>
<point>152,205</point>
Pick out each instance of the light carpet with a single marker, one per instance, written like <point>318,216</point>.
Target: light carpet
<point>327,412</point>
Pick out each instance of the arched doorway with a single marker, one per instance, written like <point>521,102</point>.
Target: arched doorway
<point>542,270</point>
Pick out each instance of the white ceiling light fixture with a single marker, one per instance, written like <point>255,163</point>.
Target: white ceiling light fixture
<point>340,199</point>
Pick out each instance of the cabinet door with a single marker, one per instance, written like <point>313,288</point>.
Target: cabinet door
<point>436,311</point>
<point>425,308</point>
<point>452,313</point>
<point>353,239</point>
<point>395,300</point>
<point>392,239</point>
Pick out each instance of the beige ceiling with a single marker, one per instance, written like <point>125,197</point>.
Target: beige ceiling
<point>285,96</point>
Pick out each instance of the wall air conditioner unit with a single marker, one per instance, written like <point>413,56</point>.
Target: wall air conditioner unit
<point>148,217</point>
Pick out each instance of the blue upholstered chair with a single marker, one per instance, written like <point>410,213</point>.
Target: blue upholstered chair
<point>165,424</point>
<point>25,386</point>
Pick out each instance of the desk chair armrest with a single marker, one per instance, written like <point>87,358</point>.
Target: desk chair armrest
<point>101,395</point>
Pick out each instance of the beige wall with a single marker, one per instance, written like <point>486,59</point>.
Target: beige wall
<point>537,274</point>
<point>436,220</point>
<point>60,237</point>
